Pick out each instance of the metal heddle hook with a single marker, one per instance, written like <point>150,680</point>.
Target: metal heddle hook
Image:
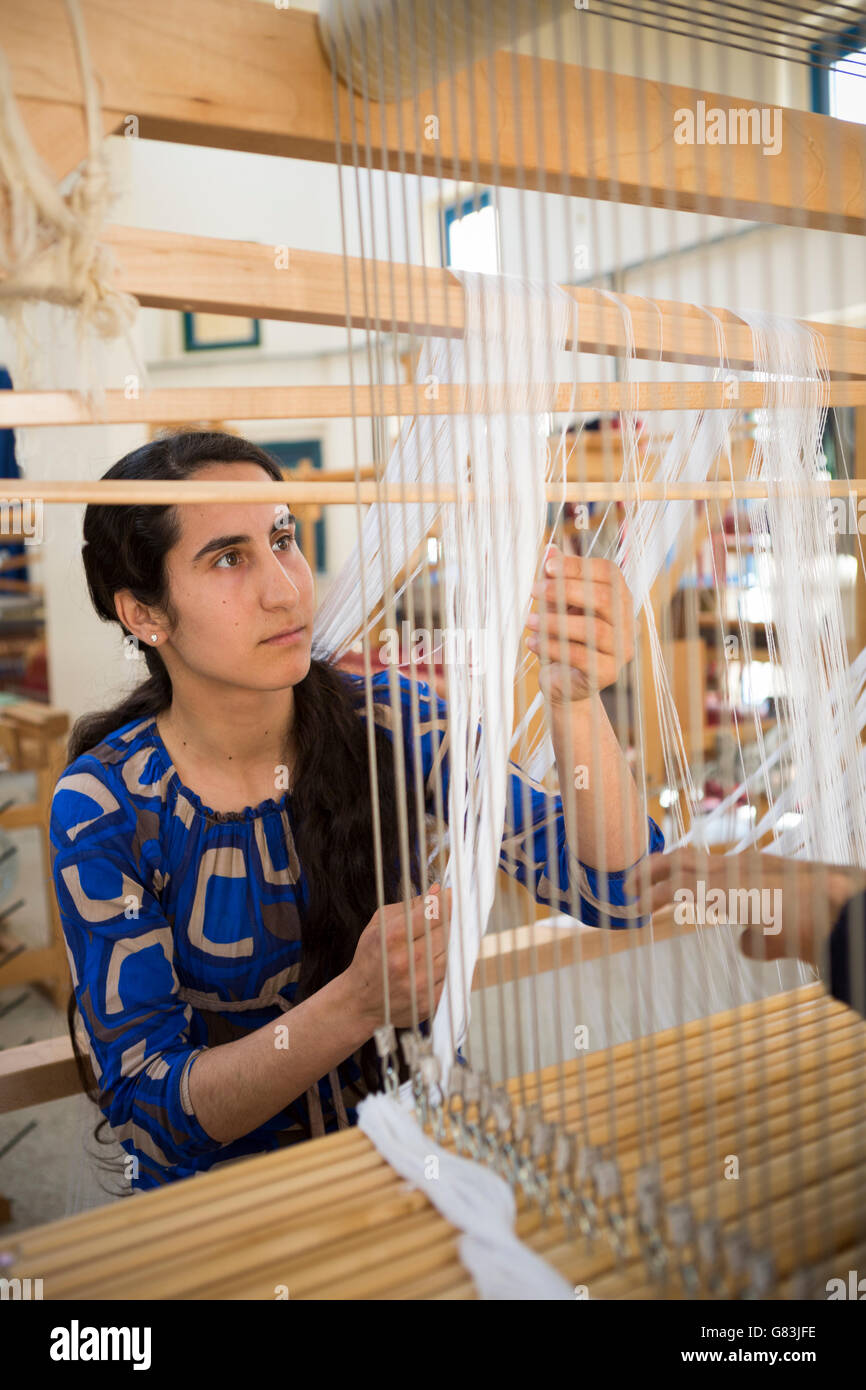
<point>386,1047</point>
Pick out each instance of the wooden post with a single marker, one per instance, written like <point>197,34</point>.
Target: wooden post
<point>860,589</point>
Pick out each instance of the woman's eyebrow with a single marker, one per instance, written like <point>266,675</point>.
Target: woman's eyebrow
<point>284,519</point>
<point>219,543</point>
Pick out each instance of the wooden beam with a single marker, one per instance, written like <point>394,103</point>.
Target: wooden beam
<point>168,270</point>
<point>860,584</point>
<point>520,952</point>
<point>59,132</point>
<point>37,1072</point>
<point>253,77</point>
<point>183,405</point>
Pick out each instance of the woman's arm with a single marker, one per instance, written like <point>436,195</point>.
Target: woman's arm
<point>818,910</point>
<point>238,1086</point>
<point>535,849</point>
<point>584,636</point>
<point>605,823</point>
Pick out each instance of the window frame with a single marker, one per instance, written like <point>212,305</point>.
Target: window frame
<point>835,48</point>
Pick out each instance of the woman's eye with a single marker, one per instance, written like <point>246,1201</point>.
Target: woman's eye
<point>226,560</point>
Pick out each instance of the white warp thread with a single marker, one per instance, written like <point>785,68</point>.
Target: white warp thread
<point>818,753</point>
<point>513,331</point>
<point>820,813</point>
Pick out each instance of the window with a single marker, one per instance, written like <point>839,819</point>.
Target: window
<point>839,75</point>
<point>470,234</point>
<point>204,332</point>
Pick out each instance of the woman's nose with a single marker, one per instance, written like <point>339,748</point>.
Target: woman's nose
<point>278,582</point>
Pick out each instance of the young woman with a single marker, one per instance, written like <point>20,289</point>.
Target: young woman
<point>213,835</point>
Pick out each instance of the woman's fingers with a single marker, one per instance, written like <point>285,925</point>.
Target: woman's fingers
<point>576,627</point>
<point>599,669</point>
<point>588,583</point>
<point>586,624</point>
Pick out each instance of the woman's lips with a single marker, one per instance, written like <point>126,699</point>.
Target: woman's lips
<point>284,639</point>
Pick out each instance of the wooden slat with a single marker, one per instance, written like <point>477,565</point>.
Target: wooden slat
<point>860,583</point>
<point>169,270</point>
<point>37,1072</point>
<point>254,77</point>
<point>37,964</point>
<point>20,815</point>
<point>520,952</point>
<point>180,405</point>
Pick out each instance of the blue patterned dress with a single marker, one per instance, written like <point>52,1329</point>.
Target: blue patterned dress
<point>183,932</point>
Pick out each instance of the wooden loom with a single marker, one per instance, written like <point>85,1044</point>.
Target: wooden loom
<point>349,1228</point>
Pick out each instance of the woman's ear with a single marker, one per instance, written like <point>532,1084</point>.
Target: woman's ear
<point>137,618</point>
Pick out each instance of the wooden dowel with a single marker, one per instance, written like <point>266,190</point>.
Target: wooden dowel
<point>667,1072</point>
<point>121,493</point>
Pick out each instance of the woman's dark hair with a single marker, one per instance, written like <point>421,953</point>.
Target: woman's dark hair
<point>125,548</point>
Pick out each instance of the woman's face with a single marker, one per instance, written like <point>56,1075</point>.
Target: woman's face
<point>238,586</point>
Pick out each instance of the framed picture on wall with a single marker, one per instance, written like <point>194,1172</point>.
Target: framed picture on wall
<point>298,458</point>
<point>204,332</point>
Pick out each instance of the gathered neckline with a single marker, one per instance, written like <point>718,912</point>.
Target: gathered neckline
<point>249,813</point>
